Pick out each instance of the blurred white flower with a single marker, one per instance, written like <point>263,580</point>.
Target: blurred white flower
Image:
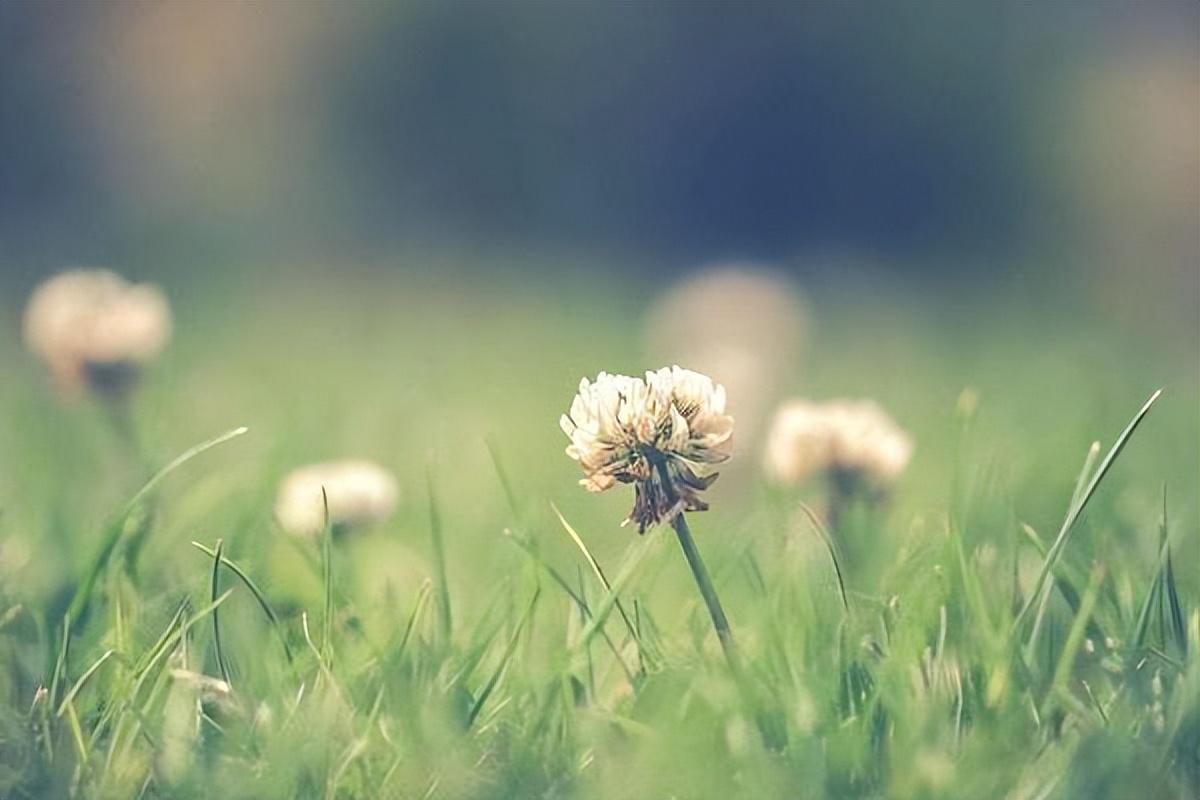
<point>743,324</point>
<point>95,329</point>
<point>848,440</point>
<point>359,492</point>
<point>661,433</point>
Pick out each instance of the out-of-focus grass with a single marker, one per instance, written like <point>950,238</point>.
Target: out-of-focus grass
<point>924,688</point>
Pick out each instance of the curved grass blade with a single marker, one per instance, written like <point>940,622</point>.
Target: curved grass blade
<point>216,619</point>
<point>595,565</point>
<point>272,617</point>
<point>827,540</point>
<point>1039,594</point>
<point>114,529</point>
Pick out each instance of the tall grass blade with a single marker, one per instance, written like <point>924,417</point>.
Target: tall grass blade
<point>1038,594</point>
<point>1175,628</point>
<point>445,617</point>
<point>327,579</point>
<point>502,474</point>
<point>214,592</point>
<point>272,617</point>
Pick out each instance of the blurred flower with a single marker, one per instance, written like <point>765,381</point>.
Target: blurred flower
<point>743,324</point>
<point>851,441</point>
<point>1123,128</point>
<point>661,434</point>
<point>95,329</point>
<point>359,493</point>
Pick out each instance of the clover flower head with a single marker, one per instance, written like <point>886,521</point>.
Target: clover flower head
<point>94,329</point>
<point>662,433</point>
<point>359,493</point>
<point>852,440</point>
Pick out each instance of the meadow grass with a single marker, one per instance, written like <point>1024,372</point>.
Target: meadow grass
<point>1020,621</point>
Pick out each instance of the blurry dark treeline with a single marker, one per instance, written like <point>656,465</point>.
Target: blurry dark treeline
<point>942,135</point>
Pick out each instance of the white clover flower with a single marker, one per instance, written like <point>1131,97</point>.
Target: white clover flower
<point>359,493</point>
<point>849,440</point>
<point>661,433</point>
<point>95,329</point>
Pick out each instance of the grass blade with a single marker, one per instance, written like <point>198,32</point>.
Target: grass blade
<point>600,613</point>
<point>160,644</point>
<point>1038,594</point>
<point>114,529</point>
<point>827,540</point>
<point>423,595</point>
<point>511,648</point>
<point>1162,599</point>
<point>576,597</point>
<point>445,619</point>
<point>1089,461</point>
<point>272,617</point>
<point>172,635</point>
<point>502,474</point>
<point>1075,636</point>
<point>327,576</point>
<point>88,673</point>
<point>595,565</point>
<point>60,663</point>
<point>1173,609</point>
<point>215,591</point>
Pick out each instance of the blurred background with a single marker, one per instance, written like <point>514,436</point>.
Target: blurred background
<point>1014,147</point>
<point>403,231</point>
<point>397,229</point>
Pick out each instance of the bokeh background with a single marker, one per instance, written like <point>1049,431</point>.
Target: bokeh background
<point>1027,147</point>
<point>402,229</point>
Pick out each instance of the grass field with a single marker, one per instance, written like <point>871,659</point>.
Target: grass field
<point>465,649</point>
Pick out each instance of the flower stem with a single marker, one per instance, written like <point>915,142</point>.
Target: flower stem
<point>707,590</point>
<point>700,573</point>
<point>773,734</point>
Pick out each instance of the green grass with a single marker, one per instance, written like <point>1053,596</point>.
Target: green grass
<point>1008,626</point>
